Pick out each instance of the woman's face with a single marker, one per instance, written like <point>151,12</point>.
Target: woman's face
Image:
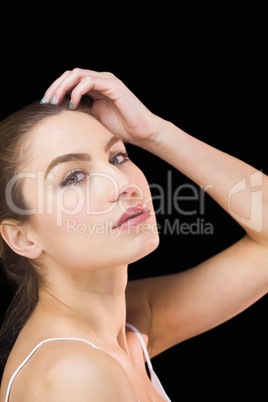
<point>91,205</point>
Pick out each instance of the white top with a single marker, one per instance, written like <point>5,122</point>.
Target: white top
<point>155,381</point>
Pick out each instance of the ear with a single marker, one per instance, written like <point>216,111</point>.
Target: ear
<point>19,240</point>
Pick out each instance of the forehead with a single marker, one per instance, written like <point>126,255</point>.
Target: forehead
<point>68,132</point>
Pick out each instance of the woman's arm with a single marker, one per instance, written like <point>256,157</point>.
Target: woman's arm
<point>188,303</point>
<point>191,302</point>
<point>237,187</point>
<point>177,307</point>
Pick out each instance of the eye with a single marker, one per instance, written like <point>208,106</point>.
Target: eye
<point>119,158</point>
<point>73,178</point>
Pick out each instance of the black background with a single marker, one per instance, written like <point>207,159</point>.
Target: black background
<point>203,69</point>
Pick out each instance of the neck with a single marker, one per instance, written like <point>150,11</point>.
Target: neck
<point>94,300</point>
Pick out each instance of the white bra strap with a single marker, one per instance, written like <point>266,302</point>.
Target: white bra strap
<point>143,345</point>
<point>34,350</point>
<point>155,380</point>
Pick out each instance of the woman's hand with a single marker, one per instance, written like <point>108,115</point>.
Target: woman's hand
<point>114,104</point>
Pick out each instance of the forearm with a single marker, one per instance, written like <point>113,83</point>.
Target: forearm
<point>236,186</point>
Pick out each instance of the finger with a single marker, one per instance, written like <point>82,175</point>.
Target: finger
<point>83,88</point>
<point>104,87</point>
<point>66,83</point>
<point>79,82</point>
<point>51,90</point>
<point>97,87</point>
<point>94,86</point>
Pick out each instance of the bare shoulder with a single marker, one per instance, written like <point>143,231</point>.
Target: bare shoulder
<point>71,371</point>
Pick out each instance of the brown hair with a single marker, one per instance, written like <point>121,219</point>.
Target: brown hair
<point>14,133</point>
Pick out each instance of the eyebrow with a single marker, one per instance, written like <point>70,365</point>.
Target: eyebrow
<point>113,140</point>
<point>79,156</point>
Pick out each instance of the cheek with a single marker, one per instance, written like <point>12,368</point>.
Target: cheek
<point>72,240</point>
<point>72,219</point>
<point>70,202</point>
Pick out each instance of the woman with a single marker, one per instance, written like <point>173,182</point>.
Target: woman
<point>77,211</point>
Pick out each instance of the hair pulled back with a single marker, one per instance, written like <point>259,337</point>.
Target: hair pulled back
<point>15,133</point>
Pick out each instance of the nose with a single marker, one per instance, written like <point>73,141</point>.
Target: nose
<point>126,188</point>
<point>129,190</point>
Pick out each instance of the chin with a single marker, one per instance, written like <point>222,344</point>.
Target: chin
<point>146,247</point>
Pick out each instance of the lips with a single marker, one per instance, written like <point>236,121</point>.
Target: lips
<point>132,217</point>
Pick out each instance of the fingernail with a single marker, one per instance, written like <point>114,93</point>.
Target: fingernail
<point>71,105</point>
<point>43,100</point>
<point>53,100</point>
